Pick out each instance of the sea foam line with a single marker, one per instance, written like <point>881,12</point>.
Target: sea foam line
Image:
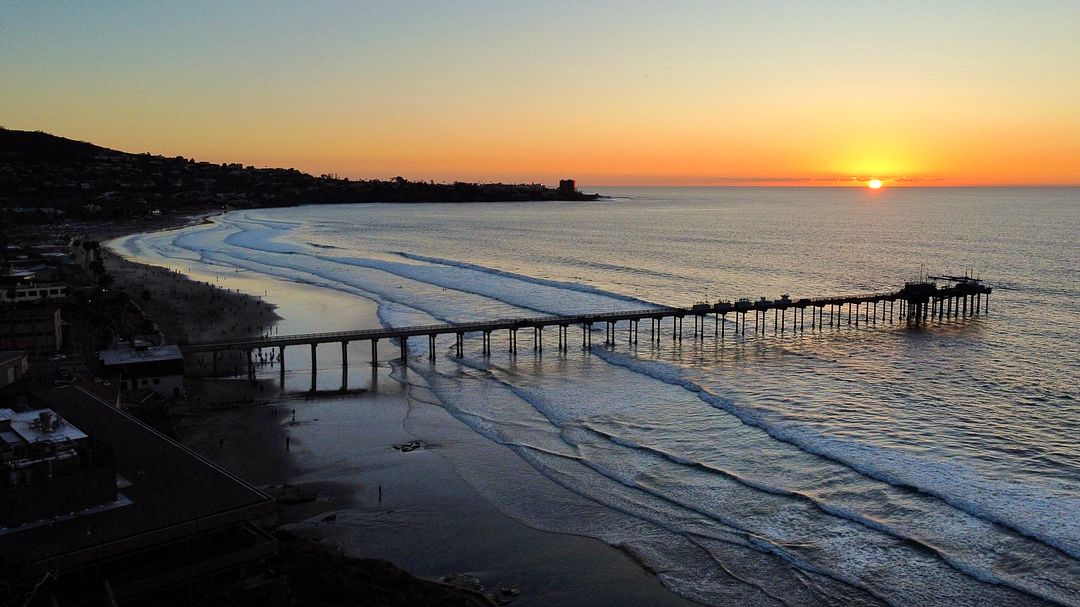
<point>981,572</point>
<point>962,563</point>
<point>756,541</point>
<point>810,444</point>
<point>559,284</point>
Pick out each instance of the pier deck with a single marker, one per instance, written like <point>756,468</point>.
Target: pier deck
<point>917,302</point>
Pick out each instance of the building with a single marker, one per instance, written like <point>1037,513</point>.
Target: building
<point>37,330</point>
<point>49,468</point>
<point>13,366</point>
<point>51,253</point>
<point>139,364</point>
<point>174,521</point>
<point>567,186</point>
<point>18,272</point>
<point>33,292</point>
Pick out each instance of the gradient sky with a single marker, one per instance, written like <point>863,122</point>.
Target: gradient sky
<point>609,92</point>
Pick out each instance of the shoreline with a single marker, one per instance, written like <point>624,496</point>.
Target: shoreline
<point>432,522</point>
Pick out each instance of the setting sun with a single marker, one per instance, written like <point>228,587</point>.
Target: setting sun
<point>875,184</point>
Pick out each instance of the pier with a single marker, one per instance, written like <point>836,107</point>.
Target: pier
<point>915,304</point>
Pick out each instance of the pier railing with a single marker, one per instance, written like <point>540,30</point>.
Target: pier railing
<point>917,302</point>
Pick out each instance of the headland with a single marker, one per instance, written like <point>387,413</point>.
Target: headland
<point>45,178</point>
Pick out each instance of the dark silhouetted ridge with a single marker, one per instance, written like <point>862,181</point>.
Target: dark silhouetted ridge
<point>44,178</point>
<point>38,146</point>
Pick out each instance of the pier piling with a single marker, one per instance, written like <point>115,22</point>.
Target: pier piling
<point>281,366</point>
<point>344,365</point>
<point>915,303</point>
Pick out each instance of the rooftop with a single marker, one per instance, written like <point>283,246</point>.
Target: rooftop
<point>174,492</point>
<point>7,356</point>
<point>20,275</point>
<point>140,352</point>
<point>26,427</point>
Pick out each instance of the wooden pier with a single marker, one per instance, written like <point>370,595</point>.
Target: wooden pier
<point>915,304</point>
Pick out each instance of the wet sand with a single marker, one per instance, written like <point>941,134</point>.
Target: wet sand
<point>429,521</point>
<point>188,310</point>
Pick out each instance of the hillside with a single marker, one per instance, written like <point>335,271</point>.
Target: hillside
<point>44,177</point>
<point>35,146</point>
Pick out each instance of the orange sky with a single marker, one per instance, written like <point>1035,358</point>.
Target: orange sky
<point>936,93</point>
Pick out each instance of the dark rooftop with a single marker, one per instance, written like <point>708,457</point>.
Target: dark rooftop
<point>7,356</point>
<point>173,491</point>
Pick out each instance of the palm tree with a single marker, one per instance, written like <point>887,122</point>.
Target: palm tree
<point>123,300</point>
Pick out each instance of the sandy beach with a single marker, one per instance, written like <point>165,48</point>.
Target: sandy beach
<point>410,506</point>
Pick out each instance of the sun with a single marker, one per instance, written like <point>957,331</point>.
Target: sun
<point>875,184</point>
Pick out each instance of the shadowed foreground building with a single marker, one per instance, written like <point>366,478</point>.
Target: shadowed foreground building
<point>50,469</point>
<point>97,508</point>
<point>36,330</point>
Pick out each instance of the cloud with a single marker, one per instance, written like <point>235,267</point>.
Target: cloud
<point>838,179</point>
<point>884,178</point>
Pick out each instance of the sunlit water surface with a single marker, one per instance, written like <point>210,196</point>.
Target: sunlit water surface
<point>875,465</point>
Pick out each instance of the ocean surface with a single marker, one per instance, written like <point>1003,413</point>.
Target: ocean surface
<point>873,465</point>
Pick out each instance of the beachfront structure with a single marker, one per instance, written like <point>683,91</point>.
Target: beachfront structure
<point>33,292</point>
<point>37,330</point>
<point>915,303</point>
<point>13,365</point>
<point>139,365</point>
<point>175,520</point>
<point>567,186</point>
<point>28,255</point>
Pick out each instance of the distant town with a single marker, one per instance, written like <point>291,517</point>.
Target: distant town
<point>44,178</point>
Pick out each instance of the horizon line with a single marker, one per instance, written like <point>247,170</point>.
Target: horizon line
<point>861,184</point>
<point>835,181</point>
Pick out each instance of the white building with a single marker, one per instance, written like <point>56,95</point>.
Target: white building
<point>21,293</point>
<point>141,365</point>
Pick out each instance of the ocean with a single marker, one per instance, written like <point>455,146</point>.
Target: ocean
<point>879,464</point>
